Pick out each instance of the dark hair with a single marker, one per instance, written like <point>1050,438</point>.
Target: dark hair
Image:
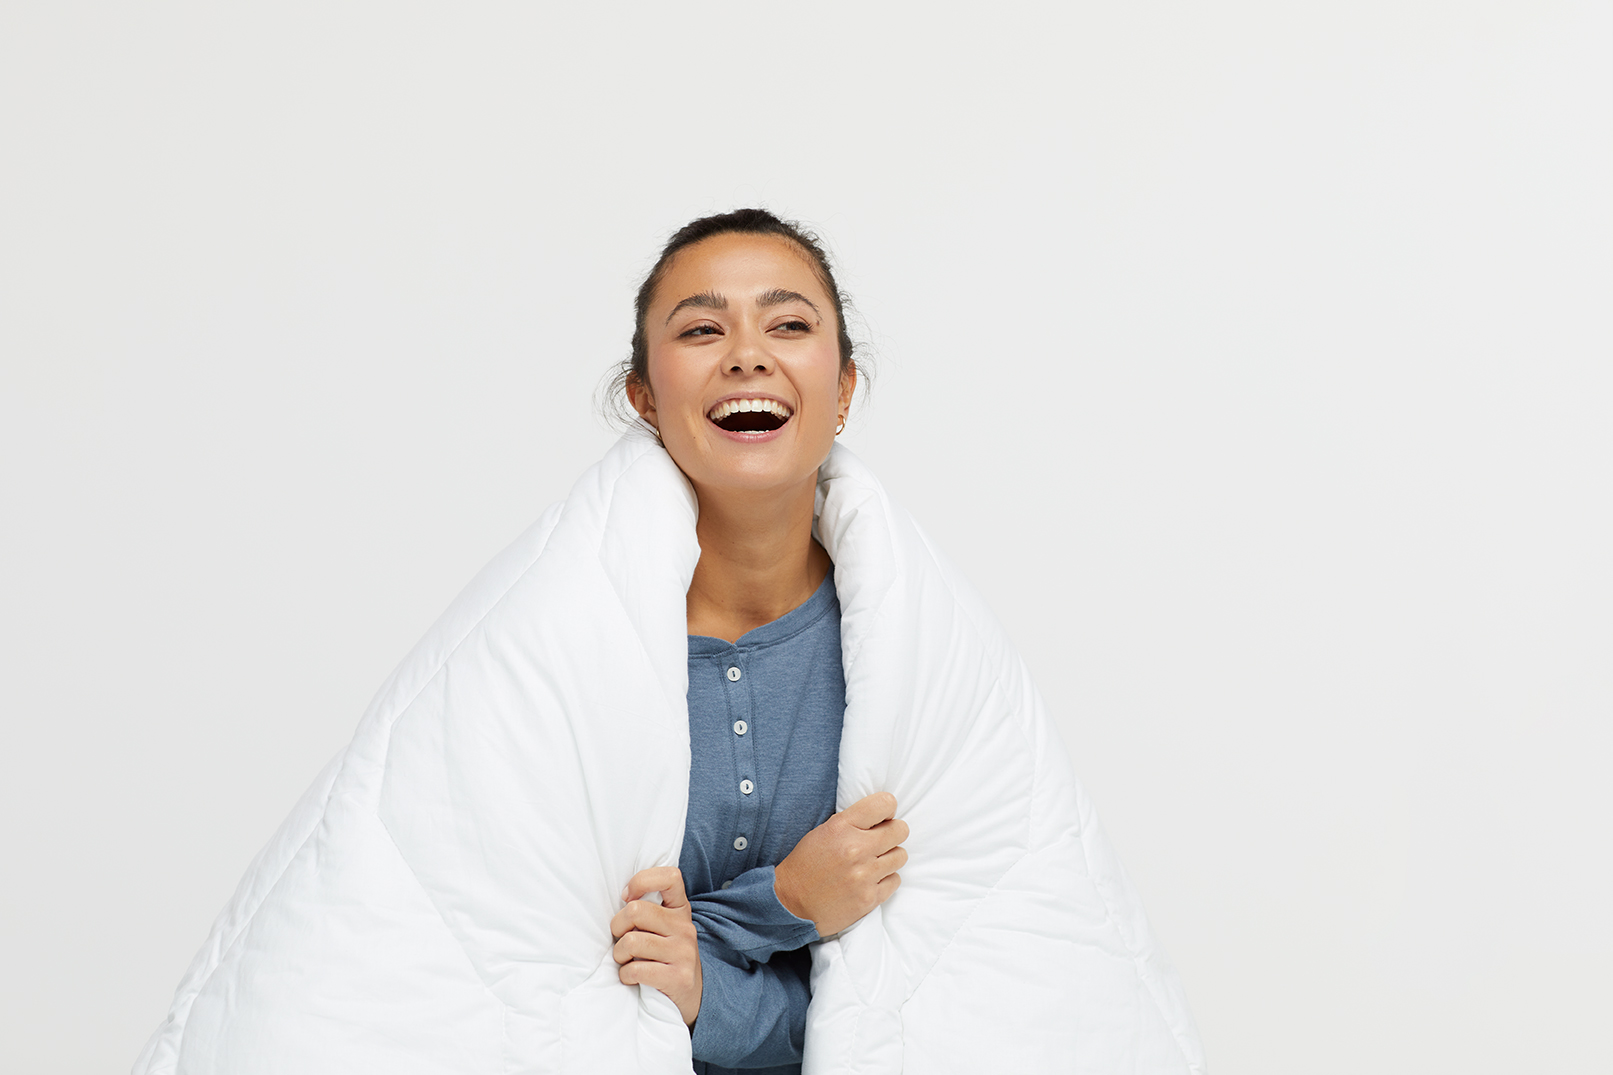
<point>743,222</point>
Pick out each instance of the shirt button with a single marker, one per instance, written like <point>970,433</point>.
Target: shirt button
<point>740,843</point>
<point>727,884</point>
<point>746,787</point>
<point>734,674</point>
<point>740,727</point>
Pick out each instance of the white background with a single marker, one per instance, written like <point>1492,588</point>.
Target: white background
<point>1253,361</point>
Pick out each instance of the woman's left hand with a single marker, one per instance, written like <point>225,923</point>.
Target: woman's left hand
<point>657,945</point>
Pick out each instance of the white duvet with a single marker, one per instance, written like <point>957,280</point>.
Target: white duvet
<point>438,901</point>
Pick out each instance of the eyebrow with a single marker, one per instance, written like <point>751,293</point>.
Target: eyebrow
<point>710,300</point>
<point>706,300</point>
<point>778,297</point>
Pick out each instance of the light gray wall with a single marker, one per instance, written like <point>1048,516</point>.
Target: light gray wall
<point>1254,363</point>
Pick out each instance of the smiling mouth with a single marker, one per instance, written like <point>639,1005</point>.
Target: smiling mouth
<point>750,415</point>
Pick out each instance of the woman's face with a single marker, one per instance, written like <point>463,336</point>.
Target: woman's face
<point>744,365</point>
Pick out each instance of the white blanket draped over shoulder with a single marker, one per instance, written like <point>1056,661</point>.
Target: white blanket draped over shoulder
<point>439,900</point>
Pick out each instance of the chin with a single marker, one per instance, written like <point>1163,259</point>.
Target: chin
<point>756,475</point>
<point>758,481</point>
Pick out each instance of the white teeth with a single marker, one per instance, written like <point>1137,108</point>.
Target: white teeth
<point>732,406</point>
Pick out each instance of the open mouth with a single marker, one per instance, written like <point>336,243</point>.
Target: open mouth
<point>750,415</point>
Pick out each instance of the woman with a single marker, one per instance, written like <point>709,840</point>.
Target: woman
<point>742,364</point>
<point>649,687</point>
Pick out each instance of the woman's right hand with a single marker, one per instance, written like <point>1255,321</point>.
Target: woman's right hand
<point>845,867</point>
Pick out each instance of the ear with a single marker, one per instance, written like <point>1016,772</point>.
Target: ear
<point>848,385</point>
<point>642,399</point>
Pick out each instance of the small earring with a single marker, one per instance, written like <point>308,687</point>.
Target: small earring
<point>842,426</point>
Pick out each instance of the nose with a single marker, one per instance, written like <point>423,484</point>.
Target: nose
<point>749,354</point>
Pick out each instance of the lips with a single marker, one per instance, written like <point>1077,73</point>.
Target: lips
<point>754,415</point>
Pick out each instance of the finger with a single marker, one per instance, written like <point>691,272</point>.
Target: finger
<point>663,976</point>
<point>870,810</point>
<point>891,861</point>
<point>890,833</point>
<point>887,886</point>
<point>640,972</point>
<point>646,916</point>
<point>667,880</point>
<point>637,944</point>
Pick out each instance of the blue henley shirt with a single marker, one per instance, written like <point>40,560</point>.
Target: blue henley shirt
<point>764,728</point>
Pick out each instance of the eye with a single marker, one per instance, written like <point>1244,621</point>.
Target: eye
<point>795,324</point>
<point>701,330</point>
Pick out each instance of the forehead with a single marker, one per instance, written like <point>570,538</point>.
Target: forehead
<point>740,267</point>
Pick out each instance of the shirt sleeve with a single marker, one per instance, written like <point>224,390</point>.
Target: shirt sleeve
<point>752,1016</point>
<point>748,920</point>
<point>755,975</point>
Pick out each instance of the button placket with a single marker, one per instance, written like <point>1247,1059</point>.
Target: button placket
<point>740,707</point>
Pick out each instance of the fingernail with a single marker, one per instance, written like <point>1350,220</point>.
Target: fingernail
<point>624,893</point>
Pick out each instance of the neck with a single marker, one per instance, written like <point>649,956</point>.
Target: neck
<point>758,560</point>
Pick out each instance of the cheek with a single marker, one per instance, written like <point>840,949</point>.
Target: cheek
<point>828,381</point>
<point>670,389</point>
